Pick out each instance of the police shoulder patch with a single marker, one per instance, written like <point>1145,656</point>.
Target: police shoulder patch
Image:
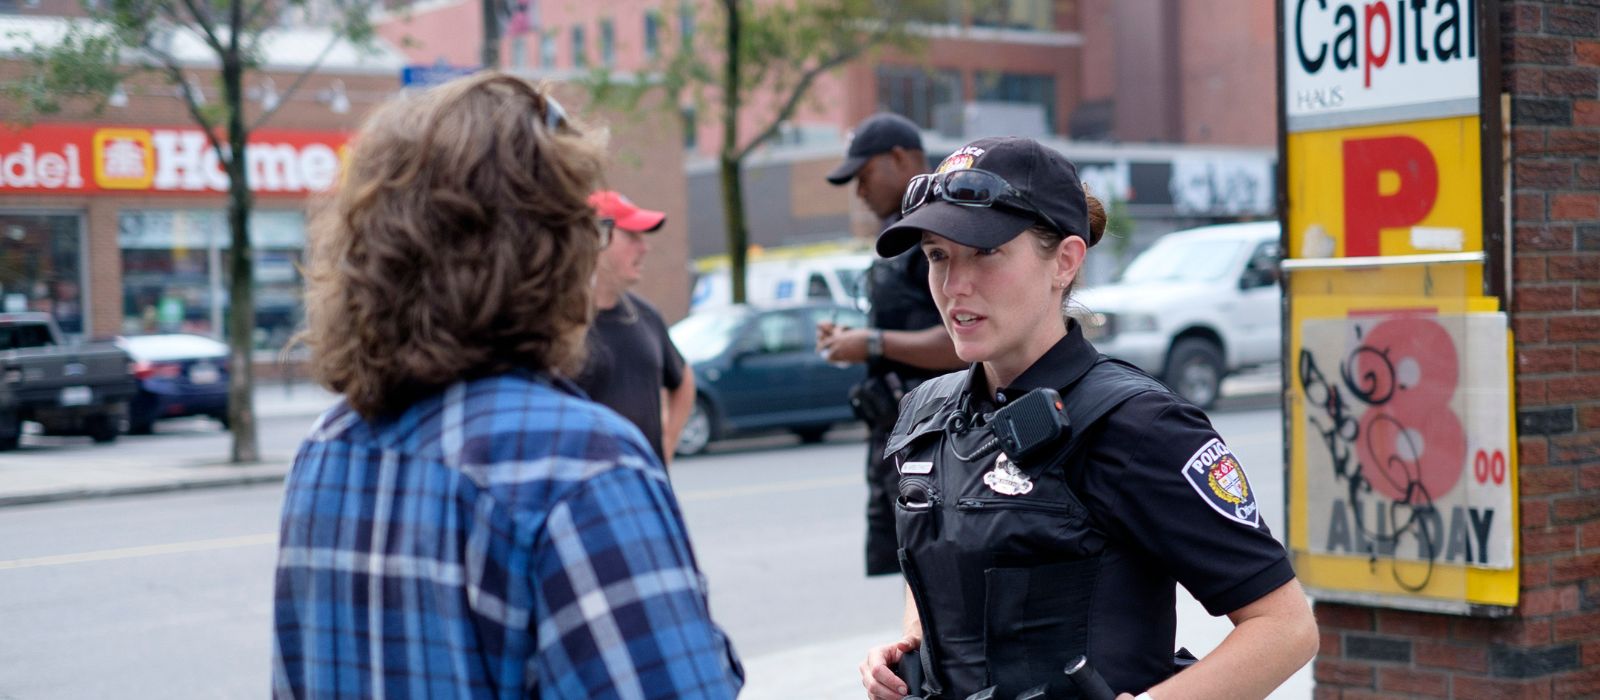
<point>1215,473</point>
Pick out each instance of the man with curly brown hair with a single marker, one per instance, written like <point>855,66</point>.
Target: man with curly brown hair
<point>463,523</point>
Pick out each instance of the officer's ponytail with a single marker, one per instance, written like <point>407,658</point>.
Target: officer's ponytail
<point>1097,217</point>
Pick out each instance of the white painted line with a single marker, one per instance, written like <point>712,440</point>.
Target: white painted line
<point>766,489</point>
<point>145,551</point>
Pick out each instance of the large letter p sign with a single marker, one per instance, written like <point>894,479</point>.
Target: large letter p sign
<point>1367,208</point>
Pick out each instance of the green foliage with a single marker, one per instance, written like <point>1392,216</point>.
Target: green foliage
<point>1119,227</point>
<point>783,48</point>
<point>83,65</point>
<point>120,38</point>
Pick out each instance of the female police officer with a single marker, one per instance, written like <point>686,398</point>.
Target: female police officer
<point>1016,563</point>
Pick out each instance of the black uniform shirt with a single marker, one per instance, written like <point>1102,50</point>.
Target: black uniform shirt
<point>901,301</point>
<point>1171,499</point>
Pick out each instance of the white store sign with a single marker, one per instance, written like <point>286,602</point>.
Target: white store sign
<point>1348,63</point>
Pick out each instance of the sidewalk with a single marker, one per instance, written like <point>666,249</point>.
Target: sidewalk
<point>56,469</point>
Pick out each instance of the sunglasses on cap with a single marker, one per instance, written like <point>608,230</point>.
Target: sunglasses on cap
<point>555,117</point>
<point>969,187</point>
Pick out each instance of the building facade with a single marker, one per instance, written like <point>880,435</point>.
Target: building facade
<point>115,221</point>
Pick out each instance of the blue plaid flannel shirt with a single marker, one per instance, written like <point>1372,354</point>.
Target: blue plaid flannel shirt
<point>504,539</point>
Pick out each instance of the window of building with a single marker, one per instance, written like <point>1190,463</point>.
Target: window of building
<point>652,33</point>
<point>175,272</point>
<point>1017,87</point>
<point>608,43</point>
<point>686,23</point>
<point>548,49</point>
<point>1035,15</point>
<point>580,48</point>
<point>691,128</point>
<point>519,51</point>
<point>917,93</point>
<point>41,267</point>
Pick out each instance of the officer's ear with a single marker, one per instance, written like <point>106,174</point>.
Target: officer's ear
<point>1069,260</point>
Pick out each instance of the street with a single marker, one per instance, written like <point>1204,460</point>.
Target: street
<point>168,595</point>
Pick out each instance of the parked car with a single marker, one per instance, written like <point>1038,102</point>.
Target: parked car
<point>179,375</point>
<point>1195,307</point>
<point>78,389</point>
<point>757,369</point>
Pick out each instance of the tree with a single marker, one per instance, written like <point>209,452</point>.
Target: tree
<point>773,48</point>
<point>123,38</point>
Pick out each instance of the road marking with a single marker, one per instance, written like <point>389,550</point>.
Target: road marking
<point>145,551</point>
<point>765,489</point>
<point>272,537</point>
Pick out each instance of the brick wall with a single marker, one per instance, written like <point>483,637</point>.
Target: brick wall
<point>1550,53</point>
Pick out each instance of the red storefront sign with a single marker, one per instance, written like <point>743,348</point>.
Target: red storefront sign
<point>73,159</point>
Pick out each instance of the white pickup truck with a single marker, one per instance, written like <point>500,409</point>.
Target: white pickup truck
<point>1198,305</point>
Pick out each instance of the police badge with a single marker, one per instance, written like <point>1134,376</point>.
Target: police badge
<point>1006,479</point>
<point>1216,475</point>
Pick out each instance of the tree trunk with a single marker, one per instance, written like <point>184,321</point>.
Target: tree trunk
<point>491,34</point>
<point>732,172</point>
<point>733,214</point>
<point>241,285</point>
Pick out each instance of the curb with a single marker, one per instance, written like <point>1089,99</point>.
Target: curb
<point>193,484</point>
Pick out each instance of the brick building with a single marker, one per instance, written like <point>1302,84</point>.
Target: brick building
<point>115,222</point>
<point>1121,84</point>
<point>1550,647</point>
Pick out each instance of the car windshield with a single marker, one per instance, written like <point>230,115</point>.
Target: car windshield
<point>155,348</point>
<point>705,334</point>
<point>1187,260</point>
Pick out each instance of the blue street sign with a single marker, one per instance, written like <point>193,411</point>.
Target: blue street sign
<point>427,76</point>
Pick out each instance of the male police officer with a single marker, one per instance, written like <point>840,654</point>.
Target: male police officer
<point>906,341</point>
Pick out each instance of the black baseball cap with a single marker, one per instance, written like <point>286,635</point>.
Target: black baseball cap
<point>1044,177</point>
<point>879,133</point>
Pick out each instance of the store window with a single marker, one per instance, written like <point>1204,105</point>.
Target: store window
<point>41,267</point>
<point>175,273</point>
<point>917,93</point>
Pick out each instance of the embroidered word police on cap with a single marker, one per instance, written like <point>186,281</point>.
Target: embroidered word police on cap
<point>1215,473</point>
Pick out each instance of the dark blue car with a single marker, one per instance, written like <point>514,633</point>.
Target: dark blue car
<point>179,375</point>
<point>758,370</point>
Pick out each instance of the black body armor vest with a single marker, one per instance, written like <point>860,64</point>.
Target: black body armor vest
<point>1001,559</point>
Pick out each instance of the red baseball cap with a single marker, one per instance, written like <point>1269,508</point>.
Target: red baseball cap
<point>629,216</point>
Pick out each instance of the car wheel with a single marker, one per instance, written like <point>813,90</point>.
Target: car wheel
<point>223,419</point>
<point>101,428</point>
<point>696,432</point>
<point>140,423</point>
<point>811,436</point>
<point>1194,370</point>
<point>10,431</point>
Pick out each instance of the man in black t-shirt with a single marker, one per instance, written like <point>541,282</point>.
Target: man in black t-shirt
<point>633,367</point>
<point>906,341</point>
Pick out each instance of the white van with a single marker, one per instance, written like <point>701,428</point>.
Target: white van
<point>837,278</point>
